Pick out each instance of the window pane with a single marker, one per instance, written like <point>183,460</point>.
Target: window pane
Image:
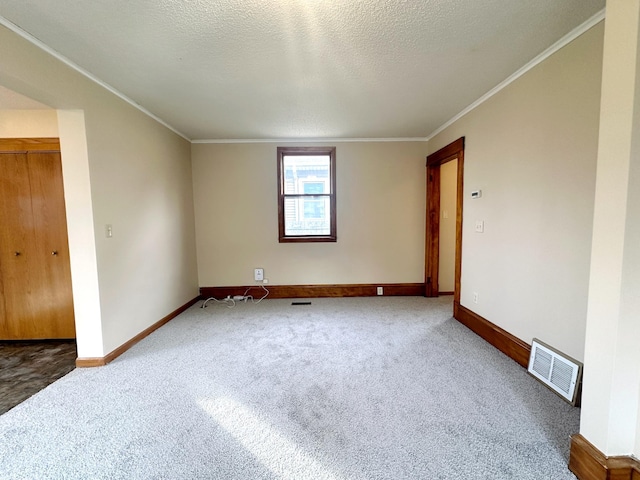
<point>307,216</point>
<point>306,173</point>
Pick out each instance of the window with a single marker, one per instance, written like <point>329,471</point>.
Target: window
<point>306,194</point>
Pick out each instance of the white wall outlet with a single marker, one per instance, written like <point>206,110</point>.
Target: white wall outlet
<point>108,231</point>
<point>475,297</point>
<point>258,274</point>
<point>479,226</point>
<point>380,291</point>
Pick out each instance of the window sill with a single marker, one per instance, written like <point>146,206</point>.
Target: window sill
<point>308,239</point>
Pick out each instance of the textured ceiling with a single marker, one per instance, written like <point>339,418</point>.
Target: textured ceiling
<point>262,69</point>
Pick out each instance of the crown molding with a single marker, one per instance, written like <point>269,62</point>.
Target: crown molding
<point>310,140</point>
<point>568,38</point>
<point>43,46</point>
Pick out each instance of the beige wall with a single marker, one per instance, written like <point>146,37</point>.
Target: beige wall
<point>380,217</point>
<point>447,240</point>
<point>28,123</point>
<point>532,149</point>
<point>140,182</point>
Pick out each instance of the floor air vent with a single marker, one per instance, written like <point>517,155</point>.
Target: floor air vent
<point>560,373</point>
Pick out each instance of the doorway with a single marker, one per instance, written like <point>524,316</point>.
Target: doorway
<point>447,240</point>
<point>452,152</point>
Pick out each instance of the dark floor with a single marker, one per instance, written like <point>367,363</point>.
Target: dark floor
<point>28,367</point>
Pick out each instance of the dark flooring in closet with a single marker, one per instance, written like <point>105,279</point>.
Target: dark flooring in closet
<point>28,367</point>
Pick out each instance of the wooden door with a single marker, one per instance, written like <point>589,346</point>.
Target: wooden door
<point>35,279</point>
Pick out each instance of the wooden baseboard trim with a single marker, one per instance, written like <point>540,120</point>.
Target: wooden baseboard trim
<point>445,293</point>
<point>82,362</point>
<point>508,344</point>
<point>317,291</point>
<point>588,463</point>
<point>87,362</point>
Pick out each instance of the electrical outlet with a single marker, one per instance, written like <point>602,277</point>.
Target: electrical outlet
<point>380,291</point>
<point>108,231</point>
<point>479,226</point>
<point>475,297</point>
<point>258,274</point>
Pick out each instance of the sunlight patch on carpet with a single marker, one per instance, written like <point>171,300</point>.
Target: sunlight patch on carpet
<point>276,452</point>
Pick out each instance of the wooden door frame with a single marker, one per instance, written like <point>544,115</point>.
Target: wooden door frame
<point>453,151</point>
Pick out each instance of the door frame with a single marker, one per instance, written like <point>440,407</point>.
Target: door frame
<point>453,151</point>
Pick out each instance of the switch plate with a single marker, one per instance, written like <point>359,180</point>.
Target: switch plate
<point>258,274</point>
<point>479,226</point>
<point>108,231</point>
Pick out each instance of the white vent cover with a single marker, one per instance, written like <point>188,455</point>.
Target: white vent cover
<point>559,372</point>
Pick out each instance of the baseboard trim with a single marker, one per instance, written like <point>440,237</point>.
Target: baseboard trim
<point>83,362</point>
<point>588,463</point>
<point>318,291</point>
<point>508,344</point>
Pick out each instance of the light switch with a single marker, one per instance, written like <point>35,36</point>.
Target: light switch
<point>479,226</point>
<point>108,231</point>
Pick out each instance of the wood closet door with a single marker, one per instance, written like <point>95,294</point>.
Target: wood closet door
<point>35,280</point>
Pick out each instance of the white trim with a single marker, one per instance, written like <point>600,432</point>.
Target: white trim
<point>30,38</point>
<point>309,140</point>
<point>568,38</point>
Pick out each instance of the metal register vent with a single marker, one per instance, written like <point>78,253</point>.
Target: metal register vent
<point>559,372</point>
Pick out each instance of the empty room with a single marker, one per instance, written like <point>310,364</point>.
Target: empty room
<point>308,239</point>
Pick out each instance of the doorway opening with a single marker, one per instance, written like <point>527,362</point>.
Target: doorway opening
<point>453,151</point>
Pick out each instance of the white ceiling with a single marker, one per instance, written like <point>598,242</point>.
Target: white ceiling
<point>264,69</point>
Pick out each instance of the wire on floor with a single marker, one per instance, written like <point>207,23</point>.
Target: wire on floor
<point>230,302</point>
<point>266,293</point>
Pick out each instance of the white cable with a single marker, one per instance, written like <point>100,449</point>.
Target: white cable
<point>230,302</point>
<point>251,297</point>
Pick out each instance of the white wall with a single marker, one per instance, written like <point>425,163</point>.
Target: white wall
<point>69,127</point>
<point>531,149</point>
<point>80,231</point>
<point>140,182</point>
<point>380,217</point>
<point>611,394</point>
